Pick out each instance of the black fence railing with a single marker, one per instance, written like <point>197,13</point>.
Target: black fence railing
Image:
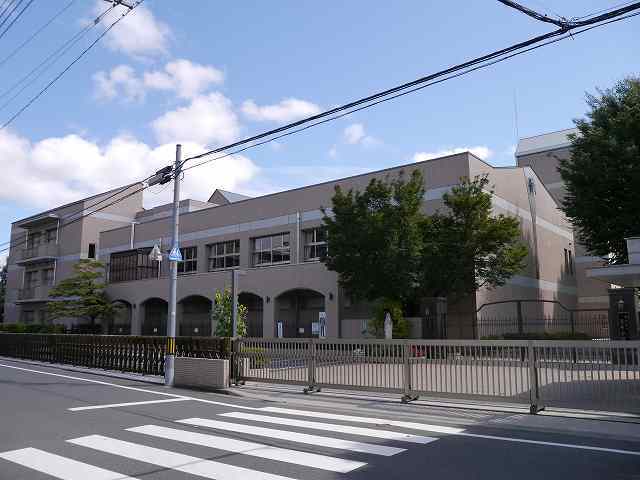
<point>143,355</point>
<point>587,327</point>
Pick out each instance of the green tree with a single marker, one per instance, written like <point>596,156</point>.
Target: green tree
<point>603,172</point>
<point>467,248</point>
<point>82,295</point>
<point>222,314</point>
<point>3,290</point>
<point>374,238</point>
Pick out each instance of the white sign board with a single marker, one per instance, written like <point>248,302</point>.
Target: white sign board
<point>279,329</point>
<point>315,328</point>
<point>322,320</point>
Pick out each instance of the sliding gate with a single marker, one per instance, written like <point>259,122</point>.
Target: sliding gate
<point>585,375</point>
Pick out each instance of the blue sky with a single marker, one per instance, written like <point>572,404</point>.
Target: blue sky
<point>205,73</point>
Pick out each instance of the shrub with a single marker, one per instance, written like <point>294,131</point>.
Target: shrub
<point>400,325</point>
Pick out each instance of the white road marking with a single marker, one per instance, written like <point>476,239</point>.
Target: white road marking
<point>260,450</point>
<point>550,444</point>
<point>367,432</point>
<point>173,460</point>
<point>306,438</point>
<point>125,387</point>
<point>373,421</point>
<point>128,404</point>
<point>60,467</point>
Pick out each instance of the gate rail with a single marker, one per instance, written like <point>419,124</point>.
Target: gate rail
<point>603,375</point>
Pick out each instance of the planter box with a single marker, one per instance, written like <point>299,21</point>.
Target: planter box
<point>204,373</point>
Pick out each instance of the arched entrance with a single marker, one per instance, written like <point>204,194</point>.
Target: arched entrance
<point>120,324</point>
<point>194,316</point>
<point>297,310</point>
<point>155,317</point>
<point>254,306</point>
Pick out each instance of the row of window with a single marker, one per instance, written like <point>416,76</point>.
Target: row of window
<point>267,250</point>
<point>35,278</point>
<point>43,237</point>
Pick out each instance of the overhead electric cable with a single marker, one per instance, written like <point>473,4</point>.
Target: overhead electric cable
<point>68,67</point>
<point>10,13</point>
<point>15,19</point>
<point>36,33</point>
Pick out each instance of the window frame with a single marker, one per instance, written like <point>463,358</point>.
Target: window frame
<point>260,253</point>
<point>188,260</point>
<point>314,245</point>
<point>213,255</point>
<point>92,251</point>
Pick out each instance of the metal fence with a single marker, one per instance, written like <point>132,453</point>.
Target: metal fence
<point>143,355</point>
<point>586,375</point>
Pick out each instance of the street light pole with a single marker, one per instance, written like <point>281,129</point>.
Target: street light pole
<point>171,324</point>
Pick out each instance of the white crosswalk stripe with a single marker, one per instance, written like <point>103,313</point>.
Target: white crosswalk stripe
<point>370,420</point>
<point>251,448</point>
<point>176,461</point>
<point>297,437</point>
<point>60,467</point>
<point>330,427</point>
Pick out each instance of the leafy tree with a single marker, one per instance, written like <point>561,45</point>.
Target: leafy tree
<point>82,295</point>
<point>603,173</point>
<point>400,325</point>
<point>466,248</point>
<point>222,313</point>
<point>3,290</point>
<point>374,239</point>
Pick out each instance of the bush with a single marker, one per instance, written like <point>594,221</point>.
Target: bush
<point>400,325</point>
<point>31,328</point>
<point>540,336</point>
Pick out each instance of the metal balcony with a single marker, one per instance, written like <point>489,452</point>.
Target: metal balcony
<point>36,253</point>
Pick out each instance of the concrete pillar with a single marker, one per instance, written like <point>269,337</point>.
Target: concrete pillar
<point>333,314</point>
<point>137,317</point>
<point>268,316</point>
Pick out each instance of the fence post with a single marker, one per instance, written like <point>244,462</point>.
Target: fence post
<point>520,321</point>
<point>311,365</point>
<point>572,321</point>
<point>534,392</point>
<point>406,377</point>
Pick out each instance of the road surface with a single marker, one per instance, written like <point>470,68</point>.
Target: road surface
<point>75,426</point>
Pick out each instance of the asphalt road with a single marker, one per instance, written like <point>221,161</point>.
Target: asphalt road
<point>74,426</point>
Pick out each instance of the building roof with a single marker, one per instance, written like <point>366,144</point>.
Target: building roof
<point>230,197</point>
<point>544,142</point>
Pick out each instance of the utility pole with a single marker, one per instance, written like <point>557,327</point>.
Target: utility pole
<point>171,324</point>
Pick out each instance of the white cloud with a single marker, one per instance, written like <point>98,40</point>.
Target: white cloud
<point>333,152</point>
<point>59,170</point>
<point>186,78</point>
<point>139,35</point>
<point>286,111</point>
<point>208,119</point>
<point>480,151</point>
<point>108,84</point>
<point>356,134</point>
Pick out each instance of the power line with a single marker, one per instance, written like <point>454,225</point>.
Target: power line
<point>613,7</point>
<point>36,33</point>
<point>8,15</point>
<point>66,69</point>
<point>4,10</point>
<point>52,58</point>
<point>422,80</point>
<point>3,33</point>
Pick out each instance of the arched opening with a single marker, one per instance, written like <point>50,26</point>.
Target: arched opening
<point>120,324</point>
<point>155,317</point>
<point>255,307</point>
<point>298,310</point>
<point>194,316</point>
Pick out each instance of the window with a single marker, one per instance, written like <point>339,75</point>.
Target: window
<point>132,265</point>
<point>224,255</point>
<point>34,239</point>
<point>189,261</point>
<point>31,279</point>
<point>47,277</point>
<point>50,235</point>
<point>28,316</point>
<point>315,244</point>
<point>274,249</point>
<point>92,250</point>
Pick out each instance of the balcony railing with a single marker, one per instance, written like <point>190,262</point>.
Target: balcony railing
<point>38,251</point>
<point>38,292</point>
